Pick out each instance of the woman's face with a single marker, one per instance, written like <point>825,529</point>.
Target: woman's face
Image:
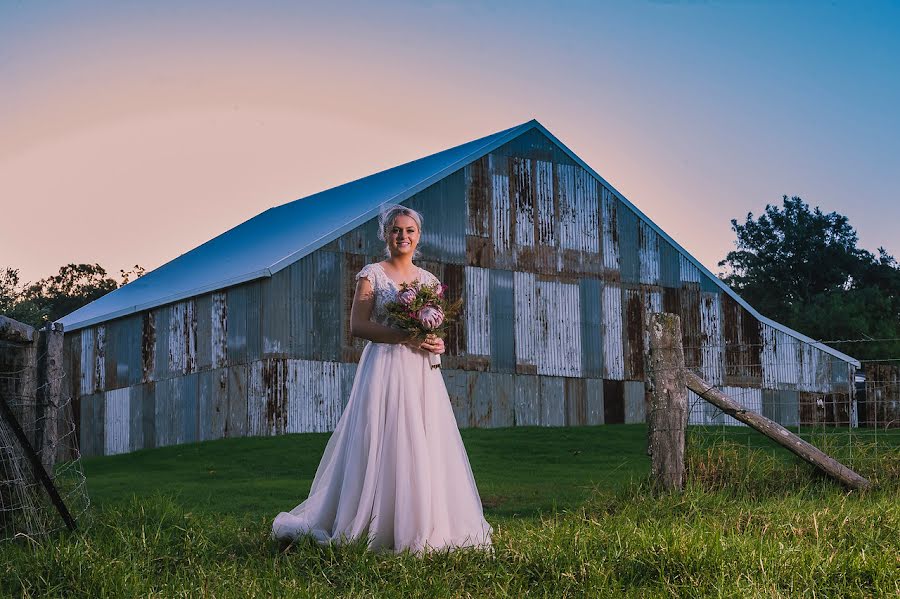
<point>403,235</point>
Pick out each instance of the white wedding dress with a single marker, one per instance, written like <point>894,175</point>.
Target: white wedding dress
<point>394,470</point>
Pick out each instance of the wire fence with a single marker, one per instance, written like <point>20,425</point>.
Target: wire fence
<point>47,420</point>
<point>848,412</point>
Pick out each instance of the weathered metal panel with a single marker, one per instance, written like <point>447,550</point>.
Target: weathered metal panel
<point>477,308</point>
<point>591,318</point>
<point>88,360</point>
<point>148,415</point>
<point>669,265</point>
<point>442,206</point>
<point>587,205</point>
<point>219,329</point>
<point>781,406</point>
<point>629,244</point>
<point>267,397</point>
<point>188,393</point>
<point>633,312</point>
<point>502,321</point>
<point>553,401</point>
<point>275,311</point>
<point>203,314</point>
<point>478,197</point>
<point>593,389</point>
<point>314,396</point>
<point>609,228</point>
<point>457,385</point>
<point>348,376</point>
<point>148,347</point>
<point>742,344</point>
<point>502,213</point>
<point>169,416</point>
<point>576,402</point>
<point>708,285</point>
<point>236,417</point>
<point>545,214</point>
<point>526,319</point>
<point>635,398</point>
<point>503,400</point>
<point>750,398</point>
<point>116,428</point>
<point>712,355</point>
<point>571,219</point>
<point>527,408</point>
<point>362,240</point>
<point>212,399</point>
<point>480,392</point>
<point>521,190</point>
<point>613,401</point>
<point>162,318</point>
<point>557,330</point>
<point>136,418</point>
<point>351,347</point>
<point>182,338</point>
<point>109,360</point>
<point>612,333</point>
<point>254,327</point>
<point>92,424</point>
<point>688,270</point>
<point>648,253</point>
<point>236,332</point>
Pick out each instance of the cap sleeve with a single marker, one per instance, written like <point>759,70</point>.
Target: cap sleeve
<point>429,278</point>
<point>369,271</point>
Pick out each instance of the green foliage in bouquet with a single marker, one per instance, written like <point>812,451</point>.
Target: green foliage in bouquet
<point>422,309</point>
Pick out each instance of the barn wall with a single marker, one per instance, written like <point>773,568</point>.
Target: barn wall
<point>558,275</point>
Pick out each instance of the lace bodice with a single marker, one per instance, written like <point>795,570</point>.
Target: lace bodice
<point>386,289</point>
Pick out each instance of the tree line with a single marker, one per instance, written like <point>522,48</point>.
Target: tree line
<point>798,266</point>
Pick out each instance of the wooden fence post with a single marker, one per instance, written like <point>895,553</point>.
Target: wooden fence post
<point>50,373</point>
<point>668,402</point>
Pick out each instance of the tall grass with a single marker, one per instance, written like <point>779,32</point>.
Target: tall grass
<point>750,523</point>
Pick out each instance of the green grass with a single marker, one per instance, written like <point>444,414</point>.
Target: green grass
<point>572,513</point>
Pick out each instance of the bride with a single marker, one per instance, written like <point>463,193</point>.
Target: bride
<point>395,468</point>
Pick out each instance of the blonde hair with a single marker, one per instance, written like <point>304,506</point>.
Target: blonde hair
<point>386,221</point>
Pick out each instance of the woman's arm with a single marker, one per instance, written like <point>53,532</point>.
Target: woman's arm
<point>362,327</point>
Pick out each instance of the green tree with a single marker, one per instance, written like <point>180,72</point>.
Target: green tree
<point>51,298</point>
<point>803,268</point>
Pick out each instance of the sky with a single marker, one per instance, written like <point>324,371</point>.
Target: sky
<point>131,132</point>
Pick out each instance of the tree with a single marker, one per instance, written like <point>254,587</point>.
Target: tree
<point>51,298</point>
<point>803,268</point>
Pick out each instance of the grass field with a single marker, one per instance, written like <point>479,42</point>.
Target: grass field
<point>572,513</point>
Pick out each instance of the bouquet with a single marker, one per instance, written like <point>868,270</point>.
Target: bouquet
<point>424,309</point>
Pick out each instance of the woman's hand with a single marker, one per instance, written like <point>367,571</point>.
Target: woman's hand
<point>431,343</point>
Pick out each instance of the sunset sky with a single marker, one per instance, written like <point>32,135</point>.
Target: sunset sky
<point>131,132</point>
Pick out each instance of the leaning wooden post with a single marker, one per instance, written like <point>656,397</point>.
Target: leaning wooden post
<point>776,432</point>
<point>668,402</point>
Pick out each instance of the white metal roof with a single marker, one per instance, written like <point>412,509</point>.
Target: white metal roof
<point>284,234</point>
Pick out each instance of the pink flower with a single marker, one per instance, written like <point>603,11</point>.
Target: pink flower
<point>407,297</point>
<point>431,317</point>
<point>441,290</point>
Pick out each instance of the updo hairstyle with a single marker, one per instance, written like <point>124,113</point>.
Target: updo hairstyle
<point>386,221</point>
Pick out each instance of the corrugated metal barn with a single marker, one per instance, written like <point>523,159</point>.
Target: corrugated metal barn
<point>248,334</point>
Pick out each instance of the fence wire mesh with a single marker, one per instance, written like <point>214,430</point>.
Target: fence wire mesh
<point>48,422</point>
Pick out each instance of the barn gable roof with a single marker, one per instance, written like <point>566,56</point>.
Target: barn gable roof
<point>283,234</point>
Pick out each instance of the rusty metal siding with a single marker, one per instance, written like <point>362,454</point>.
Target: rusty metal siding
<point>92,424</point>
<point>591,318</point>
<point>527,406</point>
<point>502,318</point>
<point>116,428</point>
<point>502,400</point>
<point>751,398</point>
<point>712,354</point>
<point>148,347</point>
<point>456,382</point>
<point>521,190</point>
<point>182,338</point>
<point>613,402</point>
<point>571,214</point>
<point>219,330</point>
<point>314,281</point>
<point>609,228</point>
<point>236,419</point>
<point>548,328</point>
<point>629,244</point>
<point>148,416</point>
<point>136,418</point>
<point>633,311</point>
<point>742,344</point>
<point>688,270</point>
<point>612,333</point>
<point>545,214</point>
<point>478,195</point>
<point>203,313</point>
<point>587,206</point>
<point>477,308</point>
<point>162,319</point>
